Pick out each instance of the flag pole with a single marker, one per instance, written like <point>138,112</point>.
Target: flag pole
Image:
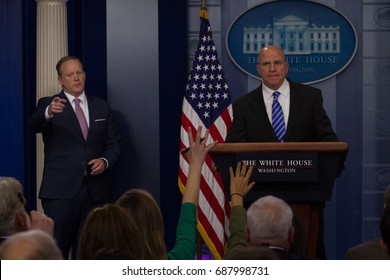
<point>203,10</point>
<point>199,240</point>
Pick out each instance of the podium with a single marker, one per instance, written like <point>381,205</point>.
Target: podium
<point>301,173</point>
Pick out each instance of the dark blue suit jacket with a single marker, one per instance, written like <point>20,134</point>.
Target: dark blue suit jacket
<point>307,122</point>
<point>67,153</point>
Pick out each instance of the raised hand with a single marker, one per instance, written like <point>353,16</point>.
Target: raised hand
<point>239,186</point>
<point>196,156</point>
<point>198,149</point>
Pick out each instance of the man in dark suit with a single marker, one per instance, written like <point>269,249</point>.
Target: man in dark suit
<point>304,115</point>
<point>78,153</point>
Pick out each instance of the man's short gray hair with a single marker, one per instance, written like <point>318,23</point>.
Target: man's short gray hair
<point>269,218</point>
<point>30,245</point>
<point>11,193</point>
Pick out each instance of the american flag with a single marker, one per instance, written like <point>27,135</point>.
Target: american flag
<point>207,103</point>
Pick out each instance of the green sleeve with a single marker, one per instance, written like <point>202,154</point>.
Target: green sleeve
<point>237,224</point>
<point>185,244</point>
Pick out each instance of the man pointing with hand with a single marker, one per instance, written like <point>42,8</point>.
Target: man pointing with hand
<point>81,144</point>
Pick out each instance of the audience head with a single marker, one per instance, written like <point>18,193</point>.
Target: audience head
<point>385,230</point>
<point>143,208</point>
<point>110,227</point>
<point>30,245</point>
<point>254,253</point>
<point>270,223</point>
<point>13,215</point>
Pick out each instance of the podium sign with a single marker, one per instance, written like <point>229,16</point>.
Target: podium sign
<point>282,167</point>
<point>303,174</point>
<point>326,158</point>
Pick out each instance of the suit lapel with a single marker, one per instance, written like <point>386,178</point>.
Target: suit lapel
<point>295,107</point>
<point>92,117</point>
<point>72,115</point>
<point>261,113</point>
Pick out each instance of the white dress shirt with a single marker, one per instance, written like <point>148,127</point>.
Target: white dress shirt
<point>284,100</point>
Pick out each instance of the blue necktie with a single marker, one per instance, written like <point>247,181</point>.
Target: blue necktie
<point>278,118</point>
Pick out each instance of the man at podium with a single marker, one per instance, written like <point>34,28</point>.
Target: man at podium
<point>279,109</point>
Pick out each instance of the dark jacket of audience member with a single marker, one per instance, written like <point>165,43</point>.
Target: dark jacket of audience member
<point>253,253</point>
